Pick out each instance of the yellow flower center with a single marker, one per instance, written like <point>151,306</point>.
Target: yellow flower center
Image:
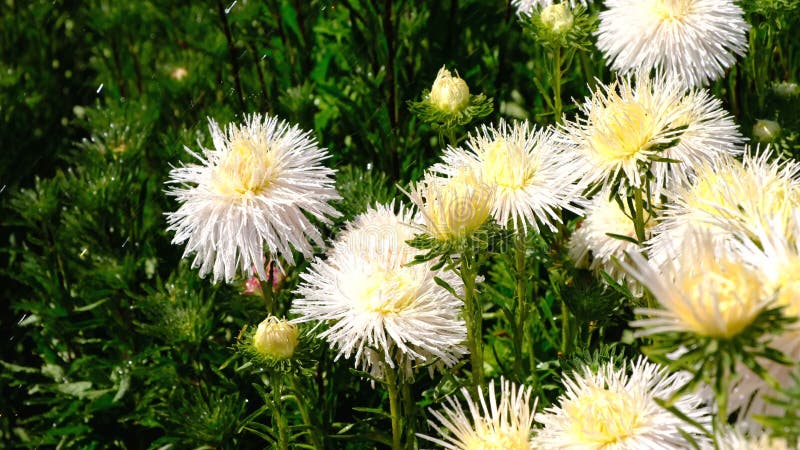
<point>623,129</point>
<point>788,285</point>
<point>505,165</point>
<point>725,298</point>
<point>246,170</point>
<point>603,417</point>
<point>388,291</point>
<point>490,439</point>
<point>668,10</point>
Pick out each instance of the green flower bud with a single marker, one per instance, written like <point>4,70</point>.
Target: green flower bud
<point>276,338</point>
<point>766,130</point>
<point>449,93</point>
<point>557,18</point>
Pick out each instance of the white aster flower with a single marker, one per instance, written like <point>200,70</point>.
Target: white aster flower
<point>777,257</point>
<point>591,246</point>
<point>530,171</point>
<point>250,194</point>
<point>526,7</point>
<point>492,425</point>
<point>708,290</point>
<point>612,410</point>
<point>728,196</point>
<point>379,309</point>
<point>693,40</point>
<point>628,124</point>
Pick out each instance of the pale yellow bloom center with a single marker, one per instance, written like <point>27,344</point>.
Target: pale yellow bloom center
<point>623,129</point>
<point>276,338</point>
<point>488,438</point>
<point>668,10</point>
<point>246,170</point>
<point>388,291</point>
<point>724,298</point>
<point>506,165</point>
<point>788,286</point>
<point>603,417</point>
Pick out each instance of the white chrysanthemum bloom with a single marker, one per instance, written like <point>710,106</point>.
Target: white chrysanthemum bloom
<point>531,172</point>
<point>453,206</point>
<point>727,196</point>
<point>612,410</point>
<point>707,290</point>
<point>526,7</point>
<point>449,93</point>
<point>379,309</point>
<point>251,192</point>
<point>693,40</point>
<point>737,439</point>
<point>591,246</point>
<point>777,257</point>
<point>627,124</point>
<point>492,425</point>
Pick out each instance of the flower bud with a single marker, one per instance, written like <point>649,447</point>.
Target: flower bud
<point>449,93</point>
<point>276,338</point>
<point>766,130</point>
<point>178,74</point>
<point>557,18</point>
<point>786,89</point>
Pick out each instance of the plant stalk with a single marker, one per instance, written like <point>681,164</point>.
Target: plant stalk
<point>394,407</point>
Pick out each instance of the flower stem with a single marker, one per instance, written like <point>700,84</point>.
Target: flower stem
<point>638,215</point>
<point>279,419</point>
<point>522,307</point>
<point>301,399</point>
<point>394,407</point>
<point>474,318</point>
<point>409,411</point>
<point>266,291</point>
<point>557,108</point>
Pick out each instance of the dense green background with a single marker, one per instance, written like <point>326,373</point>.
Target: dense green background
<point>109,340</point>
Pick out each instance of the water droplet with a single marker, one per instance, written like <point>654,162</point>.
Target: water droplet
<point>229,8</point>
<point>101,84</point>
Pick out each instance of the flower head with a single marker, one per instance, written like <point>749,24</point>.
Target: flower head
<point>449,93</point>
<point>558,18</point>
<point>276,338</point>
<point>379,309</point>
<point>503,425</point>
<point>453,206</point>
<point>630,124</point>
<point>251,192</point>
<point>728,196</point>
<point>766,130</point>
<point>529,169</point>
<point>707,291</point>
<point>692,40</point>
<point>610,409</point>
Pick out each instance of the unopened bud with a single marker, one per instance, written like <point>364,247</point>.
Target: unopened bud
<point>276,338</point>
<point>766,130</point>
<point>557,18</point>
<point>449,93</point>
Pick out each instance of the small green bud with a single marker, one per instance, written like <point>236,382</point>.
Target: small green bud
<point>449,93</point>
<point>276,338</point>
<point>766,130</point>
<point>557,18</point>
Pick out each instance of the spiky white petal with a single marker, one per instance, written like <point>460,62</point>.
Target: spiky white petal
<point>609,409</point>
<point>532,173</point>
<point>250,194</point>
<point>379,309</point>
<point>693,40</point>
<point>492,425</point>
<point>738,439</point>
<point>627,124</point>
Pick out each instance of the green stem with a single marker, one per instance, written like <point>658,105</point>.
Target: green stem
<point>638,215</point>
<point>394,407</point>
<point>557,107</point>
<point>266,291</point>
<point>566,336</point>
<point>280,420</point>
<point>474,319</point>
<point>522,306</point>
<point>301,399</point>
<point>409,408</point>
